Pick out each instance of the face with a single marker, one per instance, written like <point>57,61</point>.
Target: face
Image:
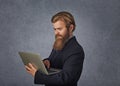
<point>61,34</point>
<point>60,29</point>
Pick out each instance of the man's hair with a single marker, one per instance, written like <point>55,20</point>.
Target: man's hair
<point>66,17</point>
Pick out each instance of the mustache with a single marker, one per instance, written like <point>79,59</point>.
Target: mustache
<point>57,36</point>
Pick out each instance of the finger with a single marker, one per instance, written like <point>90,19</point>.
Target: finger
<point>48,66</point>
<point>45,62</point>
<point>29,71</point>
<point>27,68</point>
<point>35,67</point>
<point>32,66</point>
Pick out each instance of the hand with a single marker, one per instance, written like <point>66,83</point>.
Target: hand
<point>31,69</point>
<point>47,63</point>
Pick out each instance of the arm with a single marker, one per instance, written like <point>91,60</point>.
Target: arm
<point>70,74</point>
<point>31,68</point>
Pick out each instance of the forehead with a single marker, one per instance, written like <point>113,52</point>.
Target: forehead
<point>58,24</point>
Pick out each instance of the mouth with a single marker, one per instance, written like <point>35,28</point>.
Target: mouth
<point>58,37</point>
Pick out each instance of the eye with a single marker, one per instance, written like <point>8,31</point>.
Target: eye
<point>59,28</point>
<point>54,28</point>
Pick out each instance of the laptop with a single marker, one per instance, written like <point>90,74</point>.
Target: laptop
<point>36,60</point>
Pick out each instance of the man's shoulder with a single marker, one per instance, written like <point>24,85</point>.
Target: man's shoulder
<point>73,44</point>
<point>73,47</point>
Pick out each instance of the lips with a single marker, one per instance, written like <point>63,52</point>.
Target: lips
<point>58,36</point>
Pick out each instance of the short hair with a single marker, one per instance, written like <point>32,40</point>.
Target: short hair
<point>66,17</point>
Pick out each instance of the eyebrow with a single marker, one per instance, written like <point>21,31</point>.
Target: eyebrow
<point>56,28</point>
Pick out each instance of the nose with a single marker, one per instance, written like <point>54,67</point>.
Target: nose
<point>56,32</point>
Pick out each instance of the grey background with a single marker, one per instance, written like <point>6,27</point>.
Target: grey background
<point>25,26</point>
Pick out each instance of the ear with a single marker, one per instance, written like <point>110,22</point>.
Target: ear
<point>71,28</point>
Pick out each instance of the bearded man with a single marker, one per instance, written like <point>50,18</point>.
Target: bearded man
<point>67,55</point>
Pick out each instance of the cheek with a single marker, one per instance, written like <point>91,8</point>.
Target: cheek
<point>63,33</point>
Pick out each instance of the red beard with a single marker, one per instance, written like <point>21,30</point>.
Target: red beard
<point>60,42</point>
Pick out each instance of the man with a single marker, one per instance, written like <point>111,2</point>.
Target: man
<point>67,54</point>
